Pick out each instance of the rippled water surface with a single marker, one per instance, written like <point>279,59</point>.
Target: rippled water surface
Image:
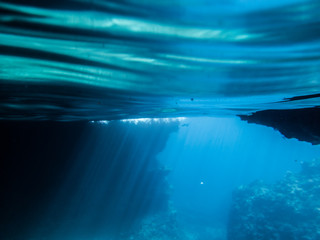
<point>78,59</point>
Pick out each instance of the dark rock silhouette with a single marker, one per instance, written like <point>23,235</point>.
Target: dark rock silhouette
<point>302,124</point>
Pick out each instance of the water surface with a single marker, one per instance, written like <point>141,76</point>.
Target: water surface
<point>77,59</point>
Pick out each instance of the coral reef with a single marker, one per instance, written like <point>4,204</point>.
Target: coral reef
<point>289,209</point>
<point>159,227</point>
<point>168,226</point>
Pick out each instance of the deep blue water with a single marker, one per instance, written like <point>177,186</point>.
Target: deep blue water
<point>211,156</point>
<point>119,119</point>
<point>140,180</point>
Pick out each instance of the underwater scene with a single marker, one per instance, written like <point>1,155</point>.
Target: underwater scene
<point>160,120</point>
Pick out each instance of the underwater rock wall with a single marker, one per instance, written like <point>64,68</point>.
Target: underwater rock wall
<point>289,209</point>
<point>79,179</point>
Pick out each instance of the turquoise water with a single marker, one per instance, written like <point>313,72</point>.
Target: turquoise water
<point>118,119</point>
<point>71,60</point>
<point>160,180</point>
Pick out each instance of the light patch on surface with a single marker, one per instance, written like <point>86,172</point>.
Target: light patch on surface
<point>153,120</point>
<point>100,122</point>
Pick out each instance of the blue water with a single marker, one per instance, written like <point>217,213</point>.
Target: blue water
<point>119,117</point>
<point>211,156</point>
<point>151,179</point>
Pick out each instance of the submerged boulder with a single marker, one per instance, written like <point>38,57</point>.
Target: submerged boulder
<point>289,209</point>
